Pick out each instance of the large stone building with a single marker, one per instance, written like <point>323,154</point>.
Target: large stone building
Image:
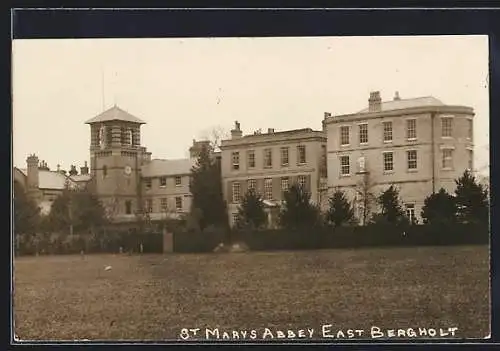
<point>270,163</point>
<point>127,180</point>
<point>122,173</point>
<point>418,145</point>
<point>44,185</point>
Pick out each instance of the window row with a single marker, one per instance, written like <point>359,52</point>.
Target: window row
<point>411,131</point>
<point>148,205</point>
<point>268,157</point>
<point>269,186</point>
<point>411,161</point>
<point>163,182</point>
<point>104,136</point>
<point>409,209</point>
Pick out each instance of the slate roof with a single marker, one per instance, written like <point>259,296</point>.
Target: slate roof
<point>50,179</point>
<point>81,177</point>
<point>115,114</point>
<point>408,103</point>
<point>157,167</point>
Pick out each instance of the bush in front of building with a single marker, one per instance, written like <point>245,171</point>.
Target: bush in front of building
<point>298,211</point>
<point>472,199</point>
<point>251,213</point>
<point>339,211</point>
<point>391,211</point>
<point>439,209</point>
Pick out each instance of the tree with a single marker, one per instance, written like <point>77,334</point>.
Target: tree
<point>251,211</point>
<point>340,211</point>
<point>26,212</point>
<point>215,136</point>
<point>391,210</point>
<point>471,199</point>
<point>298,212</point>
<point>365,197</point>
<point>439,208</point>
<point>206,189</point>
<point>76,210</point>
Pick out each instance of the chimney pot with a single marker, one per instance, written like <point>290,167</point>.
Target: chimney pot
<point>374,102</point>
<point>236,132</point>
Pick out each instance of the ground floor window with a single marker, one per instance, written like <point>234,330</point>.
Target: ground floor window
<point>128,207</point>
<point>149,205</point>
<point>164,206</point>
<point>410,212</point>
<point>178,203</point>
<point>268,189</point>
<point>235,218</point>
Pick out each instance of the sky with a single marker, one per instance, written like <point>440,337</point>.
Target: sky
<point>185,87</point>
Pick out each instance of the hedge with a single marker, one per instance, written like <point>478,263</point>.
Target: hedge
<point>197,242</point>
<point>367,236</point>
<point>110,241</point>
<point>101,242</point>
<point>342,237</point>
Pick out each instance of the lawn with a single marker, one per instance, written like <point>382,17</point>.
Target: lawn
<point>155,296</point>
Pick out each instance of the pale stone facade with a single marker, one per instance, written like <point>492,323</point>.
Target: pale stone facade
<point>418,145</point>
<point>270,163</point>
<point>127,180</point>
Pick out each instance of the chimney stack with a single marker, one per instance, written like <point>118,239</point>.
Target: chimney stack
<point>236,132</point>
<point>374,102</point>
<point>194,151</point>
<point>85,169</point>
<point>59,170</point>
<point>396,96</point>
<point>43,166</point>
<point>32,177</point>
<point>270,130</point>
<point>73,171</point>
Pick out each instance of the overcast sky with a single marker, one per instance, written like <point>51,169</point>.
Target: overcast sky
<point>183,88</point>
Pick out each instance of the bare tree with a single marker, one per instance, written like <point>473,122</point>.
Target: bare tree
<point>365,197</point>
<point>215,135</point>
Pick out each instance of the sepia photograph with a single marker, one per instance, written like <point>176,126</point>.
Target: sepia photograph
<point>251,189</point>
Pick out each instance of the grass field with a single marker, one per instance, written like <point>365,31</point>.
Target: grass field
<point>154,296</point>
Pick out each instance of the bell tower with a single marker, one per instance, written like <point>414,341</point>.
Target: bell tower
<point>116,157</point>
